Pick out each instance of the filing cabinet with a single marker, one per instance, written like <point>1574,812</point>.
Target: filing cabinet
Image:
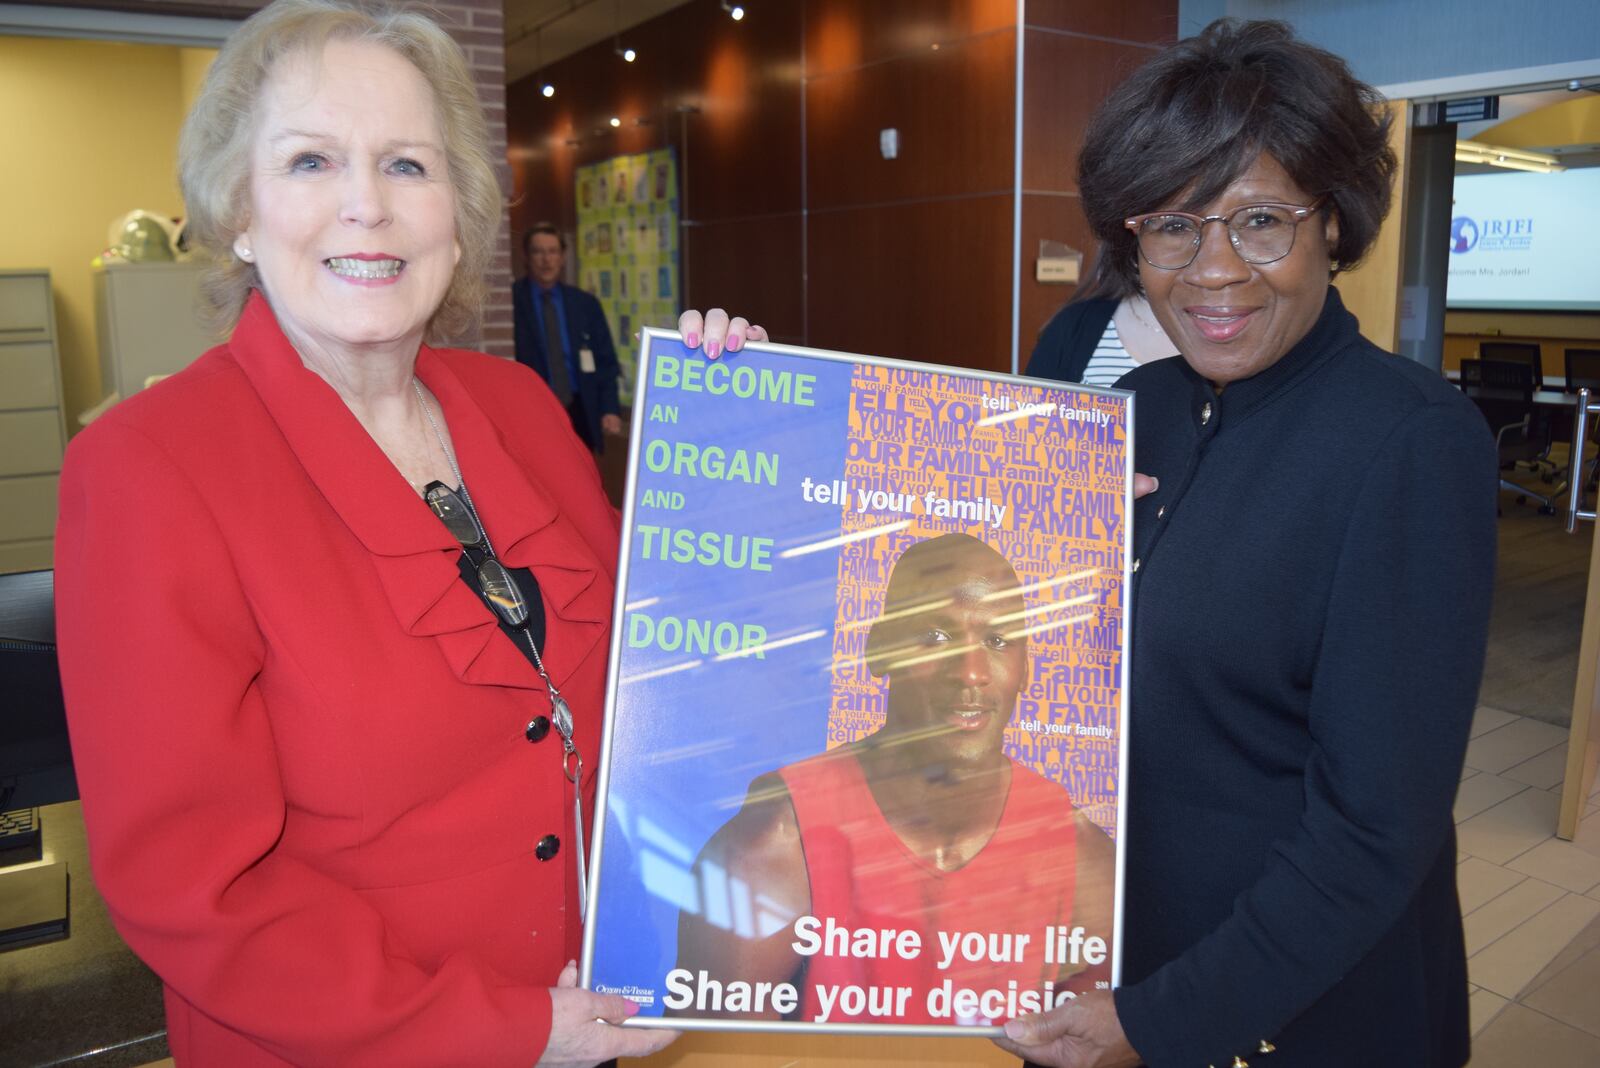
<point>147,321</point>
<point>33,432</point>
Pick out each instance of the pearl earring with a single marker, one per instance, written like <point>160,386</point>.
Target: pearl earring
<point>242,250</point>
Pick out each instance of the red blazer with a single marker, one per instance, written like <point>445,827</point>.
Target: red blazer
<point>299,736</point>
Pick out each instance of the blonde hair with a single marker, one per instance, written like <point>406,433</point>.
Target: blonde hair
<point>214,148</point>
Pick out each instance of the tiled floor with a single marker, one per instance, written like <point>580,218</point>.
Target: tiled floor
<point>1531,902</point>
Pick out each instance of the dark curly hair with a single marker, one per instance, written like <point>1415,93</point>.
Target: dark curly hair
<point>1195,117</point>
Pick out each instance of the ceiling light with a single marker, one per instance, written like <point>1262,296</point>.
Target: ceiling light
<point>1516,159</point>
<point>735,11</point>
<point>615,122</point>
<point>629,55</point>
<point>546,89</point>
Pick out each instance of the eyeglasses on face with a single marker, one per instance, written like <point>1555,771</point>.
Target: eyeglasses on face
<point>498,586</point>
<point>1259,233</point>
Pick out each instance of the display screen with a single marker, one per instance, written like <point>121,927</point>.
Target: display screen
<point>1520,240</point>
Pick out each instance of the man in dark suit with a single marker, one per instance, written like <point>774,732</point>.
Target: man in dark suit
<point>561,320</point>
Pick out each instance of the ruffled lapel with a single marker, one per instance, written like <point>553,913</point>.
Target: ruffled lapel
<point>412,553</point>
<point>526,525</point>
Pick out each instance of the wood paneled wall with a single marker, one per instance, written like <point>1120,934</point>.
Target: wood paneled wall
<point>790,212</point>
<point>1073,55</point>
<point>911,257</point>
<point>727,97</point>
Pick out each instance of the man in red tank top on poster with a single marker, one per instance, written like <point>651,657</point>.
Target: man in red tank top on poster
<point>885,878</point>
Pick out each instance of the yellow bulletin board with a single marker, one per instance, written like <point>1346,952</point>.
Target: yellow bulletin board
<point>628,247</point>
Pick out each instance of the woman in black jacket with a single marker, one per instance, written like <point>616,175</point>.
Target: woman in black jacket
<point>1311,586</point>
<point>1310,598</point>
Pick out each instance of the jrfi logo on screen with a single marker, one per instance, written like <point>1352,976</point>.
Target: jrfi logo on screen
<point>1490,235</point>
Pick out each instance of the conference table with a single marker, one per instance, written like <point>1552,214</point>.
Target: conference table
<point>1555,398</point>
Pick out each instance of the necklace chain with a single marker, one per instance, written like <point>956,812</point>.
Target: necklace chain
<point>466,496</point>
<point>563,715</point>
<point>1138,315</point>
<point>560,711</point>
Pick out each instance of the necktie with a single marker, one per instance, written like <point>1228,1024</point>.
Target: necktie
<point>554,353</point>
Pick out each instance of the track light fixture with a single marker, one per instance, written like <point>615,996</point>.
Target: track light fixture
<point>546,89</point>
<point>628,55</point>
<point>735,11</point>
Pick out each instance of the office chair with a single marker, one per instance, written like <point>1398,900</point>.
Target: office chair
<point>1583,370</point>
<point>35,760</point>
<point>1527,352</point>
<point>1530,353</point>
<point>1503,392</point>
<point>35,756</point>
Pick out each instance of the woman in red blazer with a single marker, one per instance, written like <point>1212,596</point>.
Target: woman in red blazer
<point>328,793</point>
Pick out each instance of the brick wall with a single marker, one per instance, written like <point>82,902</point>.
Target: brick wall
<point>479,27</point>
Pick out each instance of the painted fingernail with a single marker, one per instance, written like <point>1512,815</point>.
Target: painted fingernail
<point>713,349</point>
<point>692,340</point>
<point>733,345</point>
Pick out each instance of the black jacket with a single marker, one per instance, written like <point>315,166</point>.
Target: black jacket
<point>586,329</point>
<point>1068,340</point>
<point>1310,610</point>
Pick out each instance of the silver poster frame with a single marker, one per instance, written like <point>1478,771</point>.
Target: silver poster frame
<point>593,890</point>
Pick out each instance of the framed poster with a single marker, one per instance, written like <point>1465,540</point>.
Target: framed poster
<point>628,246</point>
<point>864,746</point>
